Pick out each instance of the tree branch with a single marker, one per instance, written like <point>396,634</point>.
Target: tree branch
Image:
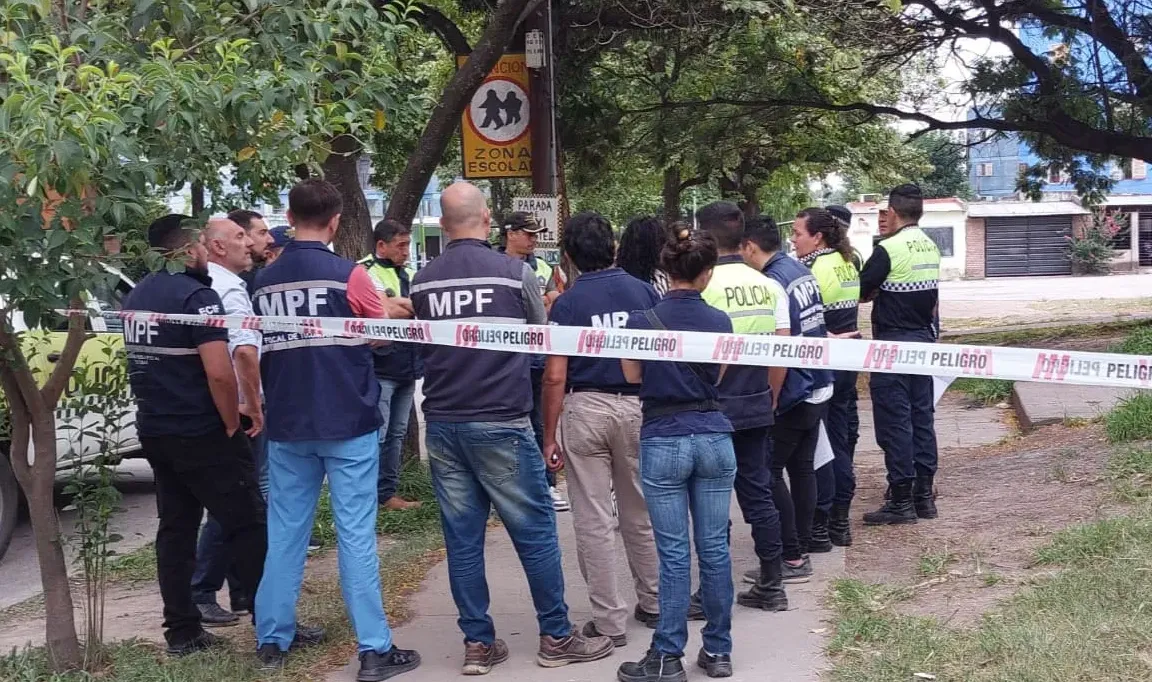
<point>62,372</point>
<point>445,29</point>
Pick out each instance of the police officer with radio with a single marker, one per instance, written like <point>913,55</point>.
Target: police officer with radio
<point>756,305</point>
<point>480,442</point>
<point>902,278</point>
<point>398,365</point>
<point>519,233</point>
<point>188,420</point>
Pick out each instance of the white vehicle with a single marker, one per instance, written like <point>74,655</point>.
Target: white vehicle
<point>75,416</point>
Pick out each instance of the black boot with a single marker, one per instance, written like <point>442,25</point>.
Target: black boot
<point>654,667</point>
<point>924,498</point>
<point>819,543</point>
<point>768,592</point>
<point>897,510</point>
<point>839,527</point>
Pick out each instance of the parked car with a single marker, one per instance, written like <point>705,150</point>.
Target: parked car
<point>76,417</point>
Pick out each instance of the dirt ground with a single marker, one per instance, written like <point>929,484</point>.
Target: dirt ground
<point>997,504</point>
<point>133,610</point>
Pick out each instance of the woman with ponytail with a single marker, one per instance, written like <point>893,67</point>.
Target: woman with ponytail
<point>687,468</point>
<point>820,237</point>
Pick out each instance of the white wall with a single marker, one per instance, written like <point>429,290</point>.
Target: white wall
<point>866,225</point>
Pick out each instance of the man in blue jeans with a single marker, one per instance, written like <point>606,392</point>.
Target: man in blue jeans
<point>398,365</point>
<point>480,441</point>
<point>324,423</point>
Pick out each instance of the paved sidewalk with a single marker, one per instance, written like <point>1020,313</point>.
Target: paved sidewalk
<point>768,646</point>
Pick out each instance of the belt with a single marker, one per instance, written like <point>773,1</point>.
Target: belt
<point>651,412</point>
<point>602,391</point>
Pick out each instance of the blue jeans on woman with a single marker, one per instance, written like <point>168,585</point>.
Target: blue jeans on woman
<point>682,476</point>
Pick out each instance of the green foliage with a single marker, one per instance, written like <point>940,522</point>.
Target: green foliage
<point>1080,623</point>
<point>1091,252</point>
<point>987,391</point>
<point>1131,420</point>
<point>1130,471</point>
<point>948,176</point>
<point>1139,342</point>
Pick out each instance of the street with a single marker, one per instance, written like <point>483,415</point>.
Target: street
<point>19,570</point>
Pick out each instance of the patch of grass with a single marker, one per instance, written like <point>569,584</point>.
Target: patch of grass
<point>934,563</point>
<point>987,391</point>
<point>1139,342</point>
<point>1130,471</point>
<point>991,579</point>
<point>413,544</point>
<point>1131,420</point>
<point>1088,545</point>
<point>1035,337</point>
<point>1088,621</point>
<point>137,566</point>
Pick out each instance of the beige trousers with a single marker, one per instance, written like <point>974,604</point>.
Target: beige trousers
<point>600,436</point>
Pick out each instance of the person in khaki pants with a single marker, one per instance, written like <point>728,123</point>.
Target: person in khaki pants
<point>598,413</point>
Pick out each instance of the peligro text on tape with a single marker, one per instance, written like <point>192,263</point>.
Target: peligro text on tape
<point>898,357</point>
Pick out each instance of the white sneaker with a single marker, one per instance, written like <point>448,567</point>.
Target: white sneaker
<point>558,501</point>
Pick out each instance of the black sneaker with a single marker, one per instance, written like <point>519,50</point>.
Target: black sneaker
<point>201,642</point>
<point>719,665</point>
<point>590,630</point>
<point>654,667</point>
<point>375,667</point>
<point>271,657</point>
<point>792,575</point>
<point>648,619</point>
<point>213,616</point>
<point>307,636</point>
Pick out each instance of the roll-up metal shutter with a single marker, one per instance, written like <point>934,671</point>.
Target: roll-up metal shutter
<point>1031,245</point>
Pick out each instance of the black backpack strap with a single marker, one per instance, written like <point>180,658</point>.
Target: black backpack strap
<point>696,369</point>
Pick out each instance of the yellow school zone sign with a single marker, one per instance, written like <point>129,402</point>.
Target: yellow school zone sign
<point>495,130</point>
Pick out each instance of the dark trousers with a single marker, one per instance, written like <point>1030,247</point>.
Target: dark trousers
<point>537,417</point>
<point>192,474</point>
<point>213,562</point>
<point>794,437</point>
<point>754,490</point>
<point>825,487</point>
<point>905,424</point>
<point>842,422</point>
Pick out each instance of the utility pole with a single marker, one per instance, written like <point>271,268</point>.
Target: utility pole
<point>542,101</point>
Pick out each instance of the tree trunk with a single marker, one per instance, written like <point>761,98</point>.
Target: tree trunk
<point>197,198</point>
<point>341,168</point>
<point>501,198</point>
<point>672,190</point>
<point>751,202</point>
<point>406,196</point>
<point>411,448</point>
<point>60,626</point>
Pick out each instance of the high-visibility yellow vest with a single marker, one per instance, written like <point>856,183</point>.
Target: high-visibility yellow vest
<point>915,261</point>
<point>839,282</point>
<point>749,298</point>
<point>387,279</point>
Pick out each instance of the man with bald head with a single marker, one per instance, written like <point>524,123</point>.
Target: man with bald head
<point>480,442</point>
<point>229,255</point>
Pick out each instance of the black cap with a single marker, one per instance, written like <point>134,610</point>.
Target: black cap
<point>840,213</point>
<point>522,220</point>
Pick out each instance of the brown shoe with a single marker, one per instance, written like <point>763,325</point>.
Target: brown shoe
<point>395,503</point>
<point>480,658</point>
<point>574,648</point>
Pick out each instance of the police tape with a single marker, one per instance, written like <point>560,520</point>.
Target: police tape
<point>897,357</point>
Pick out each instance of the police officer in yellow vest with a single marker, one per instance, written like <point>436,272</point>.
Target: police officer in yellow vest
<point>518,234</point>
<point>398,365</point>
<point>821,241</point>
<point>756,304</point>
<point>902,278</point>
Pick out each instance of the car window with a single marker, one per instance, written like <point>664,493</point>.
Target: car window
<point>107,295</point>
